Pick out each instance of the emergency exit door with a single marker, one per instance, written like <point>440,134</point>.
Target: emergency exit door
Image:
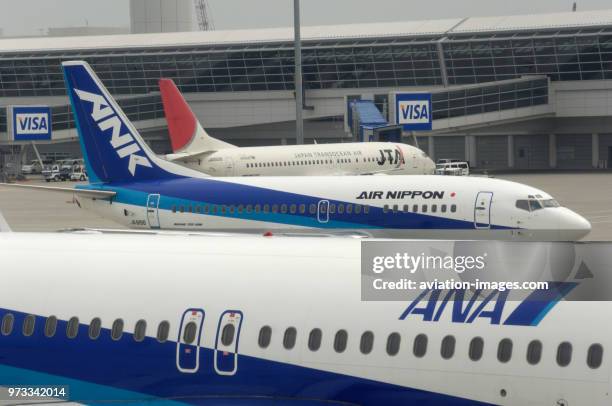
<point>482,210</point>
<point>153,210</point>
<point>226,343</point>
<point>188,343</point>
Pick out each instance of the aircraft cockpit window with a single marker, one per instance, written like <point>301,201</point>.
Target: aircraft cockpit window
<point>227,334</point>
<point>522,204</point>
<point>534,204</point>
<point>550,203</point>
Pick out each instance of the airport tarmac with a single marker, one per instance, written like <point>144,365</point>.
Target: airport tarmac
<point>589,194</point>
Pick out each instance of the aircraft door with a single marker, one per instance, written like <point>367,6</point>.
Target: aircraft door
<point>188,343</point>
<point>323,211</point>
<point>153,210</point>
<point>226,343</point>
<point>482,210</point>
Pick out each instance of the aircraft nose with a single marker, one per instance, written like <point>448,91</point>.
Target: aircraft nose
<point>573,226</point>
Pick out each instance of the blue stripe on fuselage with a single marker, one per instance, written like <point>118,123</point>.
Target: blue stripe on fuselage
<point>126,370</point>
<point>193,191</point>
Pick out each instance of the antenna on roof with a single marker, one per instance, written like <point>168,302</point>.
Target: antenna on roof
<point>574,7</point>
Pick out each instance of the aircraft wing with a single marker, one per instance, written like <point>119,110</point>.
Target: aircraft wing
<point>99,194</point>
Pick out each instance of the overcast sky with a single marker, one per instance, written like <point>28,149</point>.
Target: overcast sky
<point>31,17</point>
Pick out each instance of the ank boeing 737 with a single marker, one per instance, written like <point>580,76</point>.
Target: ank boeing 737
<point>195,148</point>
<point>276,321</point>
<point>133,186</point>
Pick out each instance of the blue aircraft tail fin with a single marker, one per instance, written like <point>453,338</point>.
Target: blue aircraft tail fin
<point>113,149</point>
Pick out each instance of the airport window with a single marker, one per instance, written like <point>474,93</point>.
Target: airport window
<point>476,348</point>
<point>534,352</point>
<point>504,350</point>
<point>162,331</point>
<point>393,343</point>
<point>27,329</point>
<point>340,208</point>
<point>357,209</point>
<point>447,349</point>
<point>117,329</point>
<point>227,335</point>
<point>349,208</point>
<point>424,208</point>
<point>443,208</point>
<point>283,208</point>
<point>419,348</point>
<point>140,330</point>
<point>189,333</point>
<point>50,326</point>
<point>434,208</point>
<point>366,343</point>
<point>289,338</point>
<point>415,208</point>
<point>595,356</point>
<point>292,209</point>
<point>453,208</point>
<point>302,208</point>
<point>72,328</point>
<point>312,208</point>
<point>94,328</point>
<point>265,335</point>
<point>340,341</point>
<point>314,339</point>
<point>7,324</point>
<point>564,354</point>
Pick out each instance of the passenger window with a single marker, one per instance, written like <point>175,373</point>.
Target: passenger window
<point>205,209</point>
<point>393,343</point>
<point>27,329</point>
<point>453,208</point>
<point>198,209</point>
<point>257,208</point>
<point>447,349</point>
<point>249,208</point>
<point>283,208</point>
<point>302,208</point>
<point>424,208</point>
<point>227,335</point>
<point>386,208</point>
<point>266,208</point>
<point>189,334</point>
<point>292,209</point>
<point>443,208</point>
<point>406,208</point>
<point>340,208</point>
<point>312,208</point>
<point>419,349</point>
<point>367,342</point>
<point>162,331</point>
<point>332,208</point>
<point>7,324</point>
<point>289,338</point>
<point>564,354</point>
<point>476,348</point>
<point>173,209</point>
<point>213,209</point>
<point>357,209</point>
<point>240,208</point>
<point>140,330</point>
<point>117,329</point>
<point>395,208</point>
<point>504,350</point>
<point>340,341</point>
<point>50,326</point>
<point>595,356</point>
<point>434,208</point>
<point>366,209</point>
<point>415,208</point>
<point>265,335</point>
<point>72,328</point>
<point>349,208</point>
<point>314,339</point>
<point>182,209</point>
<point>94,328</point>
<point>534,352</point>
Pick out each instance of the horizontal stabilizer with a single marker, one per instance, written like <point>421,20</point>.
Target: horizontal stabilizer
<point>99,194</point>
<point>4,226</point>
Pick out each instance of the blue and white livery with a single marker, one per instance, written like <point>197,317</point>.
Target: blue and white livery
<point>135,187</point>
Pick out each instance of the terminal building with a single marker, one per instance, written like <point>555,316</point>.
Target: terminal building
<point>508,93</point>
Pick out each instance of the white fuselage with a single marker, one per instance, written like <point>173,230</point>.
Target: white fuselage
<point>316,160</point>
<point>282,283</point>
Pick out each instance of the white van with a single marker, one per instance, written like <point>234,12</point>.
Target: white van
<point>453,168</point>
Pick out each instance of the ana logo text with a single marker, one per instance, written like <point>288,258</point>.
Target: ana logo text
<point>105,117</point>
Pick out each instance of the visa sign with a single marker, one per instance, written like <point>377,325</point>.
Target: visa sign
<point>31,123</point>
<point>413,111</point>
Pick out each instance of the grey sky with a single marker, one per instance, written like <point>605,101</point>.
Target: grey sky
<point>29,17</point>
